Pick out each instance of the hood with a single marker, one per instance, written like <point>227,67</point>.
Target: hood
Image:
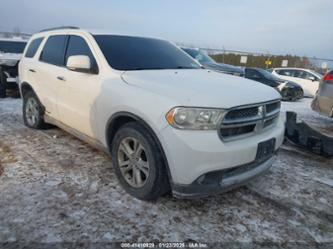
<point>223,68</point>
<point>202,88</point>
<point>9,59</point>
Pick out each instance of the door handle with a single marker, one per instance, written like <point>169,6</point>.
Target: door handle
<point>32,70</point>
<point>61,78</point>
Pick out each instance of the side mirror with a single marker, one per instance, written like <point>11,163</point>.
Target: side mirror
<point>79,63</point>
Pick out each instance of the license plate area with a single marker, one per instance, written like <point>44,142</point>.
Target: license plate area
<point>265,149</point>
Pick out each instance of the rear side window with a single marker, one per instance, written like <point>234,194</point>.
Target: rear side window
<point>78,46</point>
<point>33,47</point>
<point>286,72</point>
<point>54,50</point>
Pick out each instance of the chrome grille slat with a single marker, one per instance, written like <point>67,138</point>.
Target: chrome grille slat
<point>246,120</point>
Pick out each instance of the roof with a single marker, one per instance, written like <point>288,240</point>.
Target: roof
<point>72,29</point>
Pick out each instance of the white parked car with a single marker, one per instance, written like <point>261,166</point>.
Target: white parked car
<point>11,50</point>
<point>307,79</point>
<point>167,123</point>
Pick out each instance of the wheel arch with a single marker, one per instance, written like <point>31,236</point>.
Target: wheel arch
<point>25,87</point>
<point>119,119</point>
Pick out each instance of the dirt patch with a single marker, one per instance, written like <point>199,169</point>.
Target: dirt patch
<point>1,169</point>
<point>6,155</point>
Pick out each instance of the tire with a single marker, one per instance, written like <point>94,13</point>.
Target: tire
<point>284,95</point>
<point>148,161</point>
<point>2,84</point>
<point>32,111</point>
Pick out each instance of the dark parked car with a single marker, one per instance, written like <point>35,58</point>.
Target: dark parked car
<point>289,91</point>
<point>209,63</point>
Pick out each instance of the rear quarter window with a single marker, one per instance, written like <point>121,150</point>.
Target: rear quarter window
<point>33,47</point>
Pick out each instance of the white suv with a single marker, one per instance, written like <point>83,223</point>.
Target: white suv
<point>307,79</point>
<point>167,123</point>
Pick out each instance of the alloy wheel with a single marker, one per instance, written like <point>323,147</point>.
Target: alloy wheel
<point>32,111</point>
<point>133,162</point>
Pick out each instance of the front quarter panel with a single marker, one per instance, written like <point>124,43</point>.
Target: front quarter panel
<point>117,96</point>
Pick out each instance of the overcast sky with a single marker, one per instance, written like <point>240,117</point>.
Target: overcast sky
<point>302,27</point>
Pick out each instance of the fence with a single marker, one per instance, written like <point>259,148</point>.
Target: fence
<point>265,59</point>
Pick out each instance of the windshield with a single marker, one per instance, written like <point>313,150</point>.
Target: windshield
<point>199,56</point>
<point>12,47</point>
<point>137,53</point>
<point>268,75</point>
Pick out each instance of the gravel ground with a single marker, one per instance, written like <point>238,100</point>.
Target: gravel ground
<point>55,188</point>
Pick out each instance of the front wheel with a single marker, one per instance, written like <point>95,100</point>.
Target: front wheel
<point>32,111</point>
<point>138,163</point>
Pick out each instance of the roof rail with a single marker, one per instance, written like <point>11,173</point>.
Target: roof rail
<point>57,28</point>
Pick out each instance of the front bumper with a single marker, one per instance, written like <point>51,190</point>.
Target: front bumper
<point>191,154</point>
<point>223,180</point>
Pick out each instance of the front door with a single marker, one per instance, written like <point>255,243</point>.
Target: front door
<point>79,90</point>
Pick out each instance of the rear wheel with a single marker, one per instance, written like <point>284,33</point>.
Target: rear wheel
<point>32,111</point>
<point>138,163</point>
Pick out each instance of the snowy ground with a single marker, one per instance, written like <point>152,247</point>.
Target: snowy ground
<point>57,188</point>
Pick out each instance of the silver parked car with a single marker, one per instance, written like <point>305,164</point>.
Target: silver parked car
<point>323,101</point>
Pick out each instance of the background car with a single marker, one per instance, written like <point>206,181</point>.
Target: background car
<point>288,90</point>
<point>209,63</point>
<point>323,101</point>
<point>11,50</point>
<point>307,79</point>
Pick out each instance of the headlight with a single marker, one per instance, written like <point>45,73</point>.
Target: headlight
<point>188,118</point>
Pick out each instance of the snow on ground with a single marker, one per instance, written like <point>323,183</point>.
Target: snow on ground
<point>56,188</point>
<point>305,113</point>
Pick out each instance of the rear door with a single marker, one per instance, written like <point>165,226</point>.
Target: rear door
<point>78,90</point>
<point>45,71</point>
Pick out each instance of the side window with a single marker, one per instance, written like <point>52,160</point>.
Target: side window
<point>33,47</point>
<point>54,50</point>
<point>250,73</point>
<point>286,72</point>
<point>78,46</point>
<point>301,74</point>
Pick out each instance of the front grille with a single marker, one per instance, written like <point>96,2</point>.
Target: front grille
<point>249,119</point>
<point>269,122</point>
<point>242,113</point>
<point>273,107</point>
